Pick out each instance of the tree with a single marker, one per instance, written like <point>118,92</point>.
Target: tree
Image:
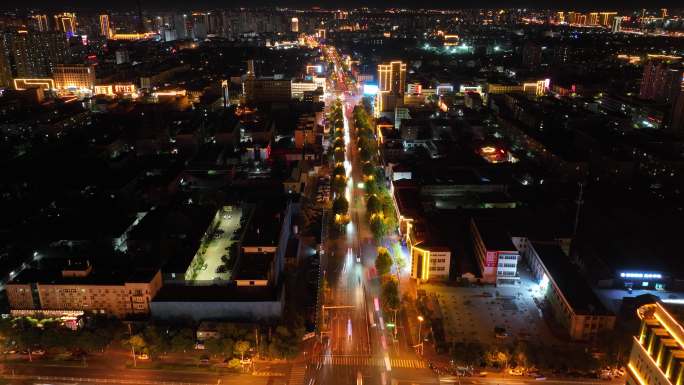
<point>340,205</point>
<point>368,169</point>
<point>234,364</point>
<point>339,170</point>
<point>338,154</point>
<point>137,342</point>
<point>339,183</point>
<point>183,341</point>
<point>383,261</point>
<point>241,347</point>
<point>378,227</point>
<point>390,295</point>
<point>373,205</point>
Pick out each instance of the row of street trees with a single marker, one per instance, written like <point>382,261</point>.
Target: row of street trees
<point>340,206</point>
<point>524,354</point>
<point>379,205</point>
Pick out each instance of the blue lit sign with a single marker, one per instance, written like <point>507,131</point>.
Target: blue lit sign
<point>370,89</point>
<point>641,275</point>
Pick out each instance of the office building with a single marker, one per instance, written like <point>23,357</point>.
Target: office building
<point>105,30</point>
<point>75,285</point>
<point>74,77</point>
<point>657,356</point>
<point>294,25</point>
<point>33,54</point>
<point>661,81</point>
<point>66,23</point>
<point>495,253</point>
<point>561,284</point>
<point>391,85</point>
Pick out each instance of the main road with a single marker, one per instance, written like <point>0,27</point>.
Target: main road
<point>356,346</point>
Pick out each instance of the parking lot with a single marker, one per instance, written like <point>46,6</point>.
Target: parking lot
<point>219,243</point>
<point>472,313</point>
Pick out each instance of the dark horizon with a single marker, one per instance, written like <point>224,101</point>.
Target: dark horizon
<point>157,5</point>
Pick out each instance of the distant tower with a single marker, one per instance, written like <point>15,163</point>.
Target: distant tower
<point>663,12</point>
<point>40,22</point>
<point>104,26</point>
<point>295,25</point>
<point>617,24</point>
<point>250,69</point>
<point>141,21</point>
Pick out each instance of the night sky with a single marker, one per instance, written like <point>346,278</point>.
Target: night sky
<point>198,4</point>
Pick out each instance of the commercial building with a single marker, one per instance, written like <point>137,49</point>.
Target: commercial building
<point>74,77</point>
<point>496,255</point>
<point>566,292</point>
<point>430,262</point>
<point>267,90</point>
<point>294,25</point>
<point>298,88</point>
<point>657,356</point>
<point>75,285</point>
<point>391,85</point>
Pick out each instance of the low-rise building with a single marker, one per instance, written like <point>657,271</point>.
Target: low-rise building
<point>495,253</point>
<point>77,286</point>
<point>569,297</point>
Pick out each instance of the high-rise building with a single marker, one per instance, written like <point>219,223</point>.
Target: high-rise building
<point>531,55</point>
<point>33,54</point>
<point>251,72</point>
<point>39,22</point>
<point>391,85</point>
<point>392,77</point>
<point>661,81</point>
<point>122,56</point>
<point>294,24</point>
<point>657,356</point>
<point>560,17</point>
<point>606,18</point>
<point>663,12</point>
<point>677,116</point>
<point>104,26</point>
<point>74,77</point>
<point>617,24</point>
<point>5,69</point>
<point>593,18</point>
<point>66,23</point>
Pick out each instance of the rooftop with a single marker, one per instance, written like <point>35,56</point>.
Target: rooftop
<point>569,280</point>
<point>494,236</point>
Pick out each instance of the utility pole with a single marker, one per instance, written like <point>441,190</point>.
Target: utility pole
<point>579,202</point>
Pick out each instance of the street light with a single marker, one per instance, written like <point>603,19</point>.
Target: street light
<point>420,327</point>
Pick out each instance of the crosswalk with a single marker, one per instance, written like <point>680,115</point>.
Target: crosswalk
<point>297,373</point>
<point>343,360</point>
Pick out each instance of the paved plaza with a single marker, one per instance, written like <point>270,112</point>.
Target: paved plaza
<point>472,313</point>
